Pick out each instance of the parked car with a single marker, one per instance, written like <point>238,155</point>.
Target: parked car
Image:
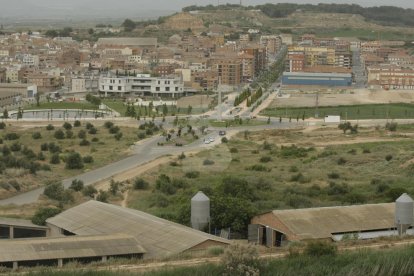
<point>222,133</point>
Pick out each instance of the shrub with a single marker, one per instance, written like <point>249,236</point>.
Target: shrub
<point>50,127</point>
<point>82,134</point>
<point>241,259</point>
<point>54,191</point>
<point>118,136</point>
<point>53,148</point>
<point>355,198</point>
<point>174,164</point>
<point>89,126</point>
<point>258,168</point>
<point>192,174</point>
<point>41,156</point>
<point>11,136</point>
<point>55,158</point>
<point>36,135</point>
<point>234,150</point>
<point>114,187</point>
<point>108,124</point>
<point>74,161</point>
<point>208,162</point>
<point>69,134</point>
<point>93,130</point>
<point>391,126</point>
<point>59,134</point>
<point>366,151</point>
<point>140,184</point>
<point>224,140</point>
<point>336,189</point>
<point>43,214</point>
<point>334,175</point>
<point>164,185</point>
<point>45,167</point>
<point>265,159</point>
<point>95,139</point>
<point>319,248</point>
<point>341,161</point>
<point>395,193</point>
<point>293,169</point>
<point>181,156</point>
<point>15,185</point>
<point>2,125</point>
<point>84,143</point>
<point>89,191</point>
<point>102,196</point>
<point>141,135</point>
<point>216,251</point>
<point>298,178</point>
<point>67,125</point>
<point>15,147</point>
<point>388,157</point>
<point>114,129</point>
<point>77,123</point>
<point>77,185</point>
<point>88,159</point>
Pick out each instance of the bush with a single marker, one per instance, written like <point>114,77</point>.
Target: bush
<point>15,147</point>
<point>241,259</point>
<point>53,148</point>
<point>36,135</point>
<point>341,161</point>
<point>74,161</point>
<point>141,135</point>
<point>395,193</point>
<point>334,175</point>
<point>88,159</point>
<point>298,178</point>
<point>140,184</point>
<point>224,140</point>
<point>77,123</point>
<point>258,168</point>
<point>82,134</point>
<point>293,169</point>
<point>89,126</point>
<point>366,151</point>
<point>89,191</point>
<point>181,156</point>
<point>43,214</point>
<point>11,136</point>
<point>50,127</point>
<point>391,126</point>
<point>2,125</point>
<point>164,185</point>
<point>118,136</point>
<point>55,158</point>
<point>41,156</point>
<point>319,248</point>
<point>69,134</point>
<point>54,191</point>
<point>208,162</point>
<point>102,196</point>
<point>67,126</point>
<point>59,134</point>
<point>93,130</point>
<point>192,174</point>
<point>84,143</point>
<point>388,157</point>
<point>114,129</point>
<point>265,159</point>
<point>77,185</point>
<point>95,139</point>
<point>234,150</point>
<point>108,124</point>
<point>15,185</point>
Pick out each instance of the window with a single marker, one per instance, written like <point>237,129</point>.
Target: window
<point>119,88</point>
<point>167,89</point>
<point>157,89</point>
<point>111,87</point>
<point>176,89</point>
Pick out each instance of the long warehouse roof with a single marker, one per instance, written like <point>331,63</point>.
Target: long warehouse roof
<point>68,247</point>
<point>158,236</point>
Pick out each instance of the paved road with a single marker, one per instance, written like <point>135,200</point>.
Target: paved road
<point>143,153</point>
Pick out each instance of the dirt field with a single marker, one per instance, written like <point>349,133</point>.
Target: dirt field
<point>200,101</point>
<point>363,96</point>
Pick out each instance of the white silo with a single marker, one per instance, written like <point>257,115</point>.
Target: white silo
<point>200,211</point>
<point>404,213</point>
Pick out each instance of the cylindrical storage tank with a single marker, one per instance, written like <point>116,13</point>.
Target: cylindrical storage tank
<point>404,213</point>
<point>200,211</point>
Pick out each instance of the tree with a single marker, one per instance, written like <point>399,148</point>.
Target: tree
<point>43,214</point>
<point>189,109</point>
<point>54,191</point>
<point>164,185</point>
<point>74,161</point>
<point>140,184</point>
<point>82,134</point>
<point>91,31</point>
<point>37,97</point>
<point>5,114</point>
<point>89,191</point>
<point>55,159</point>
<point>114,187</point>
<point>102,196</point>
<point>77,185</point>
<point>128,25</point>
<point>59,134</point>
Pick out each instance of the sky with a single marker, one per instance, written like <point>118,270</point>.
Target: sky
<point>138,8</point>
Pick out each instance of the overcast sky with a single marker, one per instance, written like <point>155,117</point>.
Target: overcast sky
<point>139,8</point>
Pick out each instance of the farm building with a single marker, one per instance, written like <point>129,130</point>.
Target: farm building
<point>98,231</point>
<point>316,79</point>
<point>279,227</point>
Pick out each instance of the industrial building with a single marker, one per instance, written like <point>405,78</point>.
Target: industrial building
<point>98,231</point>
<point>279,227</point>
<point>316,79</point>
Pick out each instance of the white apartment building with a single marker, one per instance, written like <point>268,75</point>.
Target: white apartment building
<point>12,75</point>
<point>30,60</point>
<point>141,85</point>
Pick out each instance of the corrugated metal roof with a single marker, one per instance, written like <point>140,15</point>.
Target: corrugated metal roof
<point>20,223</point>
<point>68,247</point>
<point>158,236</point>
<point>315,223</point>
<point>128,41</point>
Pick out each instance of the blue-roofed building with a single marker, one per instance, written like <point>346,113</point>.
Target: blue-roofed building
<point>317,79</point>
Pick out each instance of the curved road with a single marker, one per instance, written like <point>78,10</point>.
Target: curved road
<point>143,153</point>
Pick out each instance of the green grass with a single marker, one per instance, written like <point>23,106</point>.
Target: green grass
<point>351,112</point>
<point>116,105</point>
<point>63,105</point>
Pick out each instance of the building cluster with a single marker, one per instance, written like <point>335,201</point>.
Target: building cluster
<point>388,65</point>
<point>186,62</point>
<point>319,61</point>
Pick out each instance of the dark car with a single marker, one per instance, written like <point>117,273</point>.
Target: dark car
<point>222,133</point>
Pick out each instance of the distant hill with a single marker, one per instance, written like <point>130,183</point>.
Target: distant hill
<point>385,15</point>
